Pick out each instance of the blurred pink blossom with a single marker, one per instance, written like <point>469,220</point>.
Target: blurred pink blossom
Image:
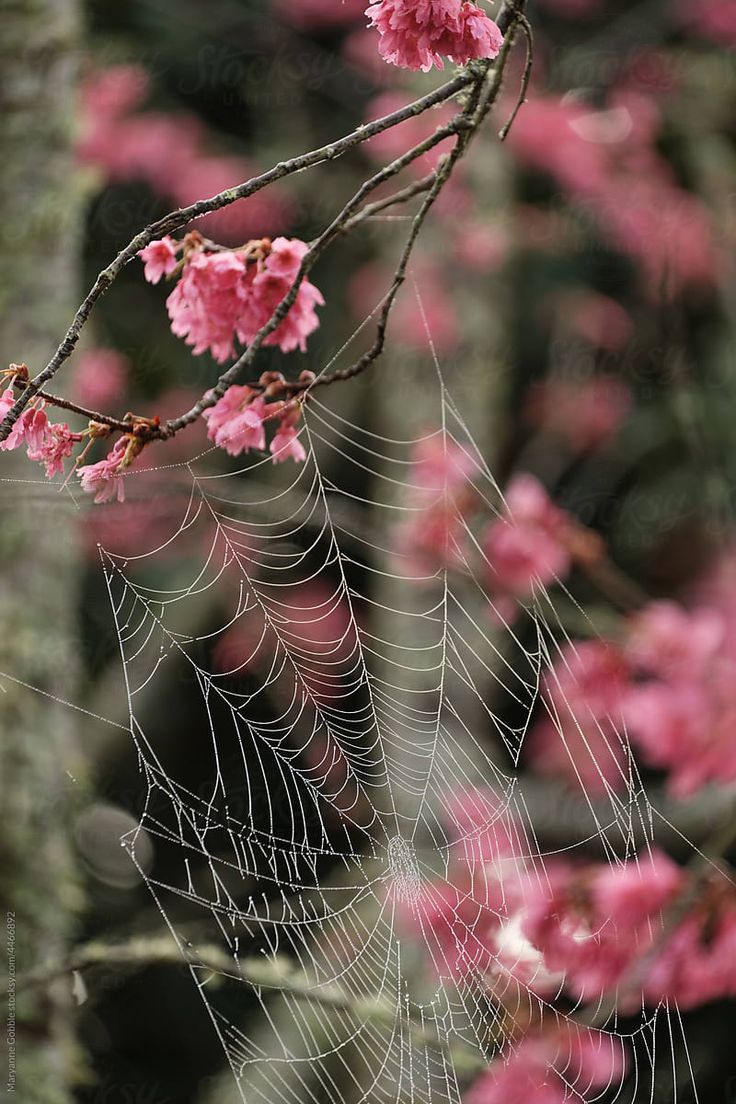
<point>586,414</point>
<point>714,19</point>
<point>441,489</point>
<point>486,831</point>
<point>524,548</point>
<point>99,378</point>
<point>580,740</point>
<point>607,160</point>
<point>547,136</point>
<point>397,140</point>
<point>205,176</point>
<point>168,152</point>
<point>681,710</point>
<point>480,246</point>
<point>667,640</point>
<point>598,319</point>
<point>599,924</point>
<point>551,1067</point>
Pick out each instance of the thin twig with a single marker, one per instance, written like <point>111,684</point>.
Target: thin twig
<point>525,77</point>
<point>402,196</point>
<point>66,404</point>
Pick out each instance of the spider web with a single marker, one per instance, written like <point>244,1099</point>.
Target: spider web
<point>346,698</point>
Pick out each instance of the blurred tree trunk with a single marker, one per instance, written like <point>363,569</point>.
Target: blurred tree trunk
<point>39,250</point>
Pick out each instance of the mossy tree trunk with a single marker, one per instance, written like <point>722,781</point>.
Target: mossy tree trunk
<point>39,249</point>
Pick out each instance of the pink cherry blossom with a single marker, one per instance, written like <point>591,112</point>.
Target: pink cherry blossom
<point>223,296</point>
<point>207,302</point>
<point>7,399</point>
<point>104,479</point>
<point>524,547</point>
<point>287,446</point>
<point>581,739</point>
<point>487,832</point>
<point>271,283</point>
<point>667,640</point>
<point>628,894</point>
<point>543,1067</point>
<point>416,34</point>
<point>479,36</point>
<point>160,259</point>
<point>58,443</point>
<point>235,422</point>
<point>30,428</point>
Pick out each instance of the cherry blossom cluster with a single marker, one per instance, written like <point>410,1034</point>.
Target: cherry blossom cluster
<point>667,683</point>
<point>601,929</point>
<point>236,423</point>
<point>552,1067</point>
<point>417,34</point>
<point>583,929</point>
<point>51,443</point>
<point>47,442</point>
<point>607,162</point>
<point>531,544</point>
<point>663,688</point>
<point>224,296</point>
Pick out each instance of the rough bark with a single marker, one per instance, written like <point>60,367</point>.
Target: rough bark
<point>39,246</point>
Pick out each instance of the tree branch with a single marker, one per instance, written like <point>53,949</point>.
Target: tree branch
<point>175,220</point>
<point>463,126</point>
<point>276,974</point>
